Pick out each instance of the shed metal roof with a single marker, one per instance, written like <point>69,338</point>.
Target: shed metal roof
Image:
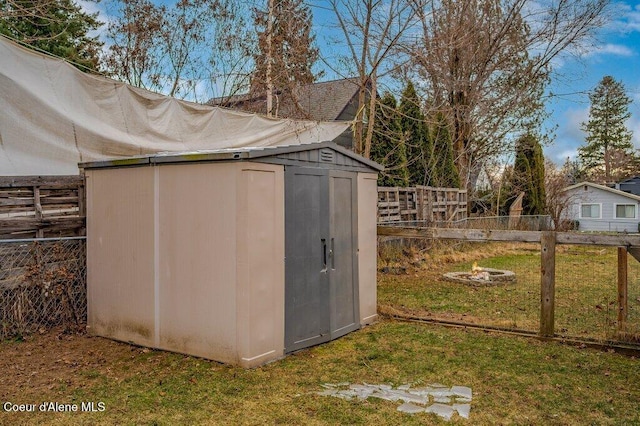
<point>229,154</point>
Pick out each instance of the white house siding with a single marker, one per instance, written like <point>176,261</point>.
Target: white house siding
<point>585,194</point>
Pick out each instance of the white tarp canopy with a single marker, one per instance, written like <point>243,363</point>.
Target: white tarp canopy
<point>53,116</point>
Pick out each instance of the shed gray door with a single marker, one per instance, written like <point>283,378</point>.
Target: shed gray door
<point>306,253</point>
<point>343,260</point>
<point>321,299</point>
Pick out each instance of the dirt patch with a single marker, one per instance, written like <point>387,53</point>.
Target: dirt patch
<point>56,362</point>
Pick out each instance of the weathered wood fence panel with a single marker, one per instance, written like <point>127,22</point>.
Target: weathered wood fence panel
<point>41,206</point>
<point>421,203</point>
<point>388,204</point>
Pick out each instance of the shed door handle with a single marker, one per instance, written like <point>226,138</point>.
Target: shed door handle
<point>324,254</point>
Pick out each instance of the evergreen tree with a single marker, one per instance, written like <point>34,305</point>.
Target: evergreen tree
<point>288,48</point>
<point>59,27</point>
<point>445,170</point>
<point>387,144</point>
<point>607,135</point>
<point>416,136</point>
<point>528,174</point>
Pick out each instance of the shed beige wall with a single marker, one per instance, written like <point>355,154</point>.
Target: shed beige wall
<point>211,282</point>
<point>367,246</point>
<point>197,256</point>
<point>260,263</point>
<point>120,254</point>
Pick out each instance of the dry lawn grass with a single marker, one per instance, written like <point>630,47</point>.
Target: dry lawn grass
<point>514,381</point>
<point>411,282</point>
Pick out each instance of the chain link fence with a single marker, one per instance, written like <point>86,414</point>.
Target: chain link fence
<point>42,285</point>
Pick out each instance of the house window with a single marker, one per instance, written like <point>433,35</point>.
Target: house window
<point>625,211</point>
<point>590,211</point>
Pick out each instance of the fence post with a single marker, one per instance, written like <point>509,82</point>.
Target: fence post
<point>547,283</point>
<point>37,205</point>
<point>623,307</point>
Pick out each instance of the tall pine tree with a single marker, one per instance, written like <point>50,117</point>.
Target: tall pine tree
<point>60,27</point>
<point>387,144</point>
<point>607,138</point>
<point>528,174</point>
<point>445,170</point>
<point>416,136</point>
<point>286,52</point>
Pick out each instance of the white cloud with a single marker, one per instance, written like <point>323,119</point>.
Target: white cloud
<point>573,122</point>
<point>92,7</point>
<point>615,49</point>
<point>95,7</point>
<point>634,125</point>
<point>629,19</point>
<point>569,136</point>
<point>611,49</point>
<point>561,157</point>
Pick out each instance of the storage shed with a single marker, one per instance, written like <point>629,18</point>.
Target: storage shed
<point>238,256</point>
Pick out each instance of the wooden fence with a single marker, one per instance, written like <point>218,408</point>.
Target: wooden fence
<point>41,206</point>
<point>547,239</point>
<point>54,206</point>
<point>421,203</point>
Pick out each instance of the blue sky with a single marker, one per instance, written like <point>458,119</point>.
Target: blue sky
<point>617,54</point>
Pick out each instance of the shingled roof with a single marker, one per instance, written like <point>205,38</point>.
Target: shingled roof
<point>323,101</point>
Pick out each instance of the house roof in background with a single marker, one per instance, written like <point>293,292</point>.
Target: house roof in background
<point>321,101</point>
<point>603,188</point>
<point>632,179</point>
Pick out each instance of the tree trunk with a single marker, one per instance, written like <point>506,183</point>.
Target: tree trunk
<point>269,79</point>
<point>371,116</point>
<point>359,126</point>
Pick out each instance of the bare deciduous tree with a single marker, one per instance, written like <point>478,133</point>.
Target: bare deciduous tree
<point>371,30</point>
<point>134,54</point>
<point>557,200</point>
<point>234,45</point>
<point>286,53</point>
<point>193,49</point>
<point>487,64</point>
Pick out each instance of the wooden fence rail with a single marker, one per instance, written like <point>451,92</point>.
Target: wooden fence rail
<point>547,240</point>
<point>54,206</point>
<point>421,203</point>
<point>41,206</point>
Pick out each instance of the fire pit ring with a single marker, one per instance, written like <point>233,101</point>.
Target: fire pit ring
<point>487,276</point>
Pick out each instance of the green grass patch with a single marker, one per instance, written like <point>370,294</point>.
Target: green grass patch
<point>514,381</point>
<point>586,289</point>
